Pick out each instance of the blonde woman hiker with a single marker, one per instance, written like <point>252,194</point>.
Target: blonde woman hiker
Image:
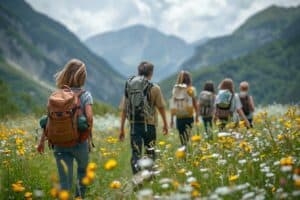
<point>141,101</point>
<point>228,105</point>
<point>183,106</point>
<point>69,124</point>
<point>247,101</point>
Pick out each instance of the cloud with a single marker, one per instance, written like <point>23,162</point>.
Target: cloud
<point>188,19</point>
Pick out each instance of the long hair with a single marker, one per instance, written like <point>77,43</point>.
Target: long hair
<point>184,77</point>
<point>73,74</point>
<point>227,84</point>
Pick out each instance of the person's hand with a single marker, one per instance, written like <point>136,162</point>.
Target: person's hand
<point>172,124</point>
<point>247,124</point>
<point>122,135</point>
<point>41,147</point>
<point>165,129</point>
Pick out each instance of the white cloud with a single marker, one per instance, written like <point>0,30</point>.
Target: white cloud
<point>189,19</point>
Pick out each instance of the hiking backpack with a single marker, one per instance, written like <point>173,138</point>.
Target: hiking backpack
<point>181,103</point>
<point>223,104</point>
<point>245,104</point>
<point>137,93</point>
<point>63,112</point>
<point>206,99</point>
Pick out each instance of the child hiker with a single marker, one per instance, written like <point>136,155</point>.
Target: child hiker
<point>247,101</point>
<point>69,139</point>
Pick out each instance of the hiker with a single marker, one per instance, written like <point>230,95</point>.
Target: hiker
<point>247,101</point>
<point>140,103</point>
<point>68,143</point>
<point>206,105</point>
<point>228,105</point>
<point>183,106</point>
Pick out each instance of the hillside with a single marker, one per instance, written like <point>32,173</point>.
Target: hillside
<point>127,47</point>
<point>272,70</point>
<point>257,31</point>
<point>19,92</point>
<point>39,47</point>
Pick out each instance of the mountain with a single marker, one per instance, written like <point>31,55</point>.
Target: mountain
<point>38,47</point>
<point>272,70</point>
<point>127,47</point>
<point>257,31</point>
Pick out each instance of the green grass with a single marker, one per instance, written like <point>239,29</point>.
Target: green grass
<point>260,162</point>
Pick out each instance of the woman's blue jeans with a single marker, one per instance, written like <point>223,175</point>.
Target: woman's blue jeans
<point>64,159</point>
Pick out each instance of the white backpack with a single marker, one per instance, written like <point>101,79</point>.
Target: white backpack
<point>181,103</point>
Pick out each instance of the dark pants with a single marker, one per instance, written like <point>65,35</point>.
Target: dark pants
<point>184,126</point>
<point>207,121</point>
<point>141,135</point>
<point>250,122</point>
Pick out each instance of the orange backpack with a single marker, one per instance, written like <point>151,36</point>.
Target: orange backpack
<point>63,112</point>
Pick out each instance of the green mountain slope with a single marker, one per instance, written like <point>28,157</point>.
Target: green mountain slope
<point>272,70</point>
<point>258,30</point>
<point>41,46</point>
<point>19,92</point>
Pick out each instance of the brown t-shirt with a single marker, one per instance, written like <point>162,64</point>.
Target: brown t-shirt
<point>156,99</point>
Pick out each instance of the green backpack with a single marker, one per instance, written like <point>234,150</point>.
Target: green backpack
<point>137,93</point>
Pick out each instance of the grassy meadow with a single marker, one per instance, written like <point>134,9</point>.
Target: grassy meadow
<point>240,163</point>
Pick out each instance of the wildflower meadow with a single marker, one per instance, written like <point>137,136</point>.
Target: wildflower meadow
<point>237,163</point>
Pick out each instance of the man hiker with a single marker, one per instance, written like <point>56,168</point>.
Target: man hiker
<point>140,103</point>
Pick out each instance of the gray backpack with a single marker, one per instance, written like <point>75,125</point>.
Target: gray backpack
<point>137,93</point>
<point>206,100</point>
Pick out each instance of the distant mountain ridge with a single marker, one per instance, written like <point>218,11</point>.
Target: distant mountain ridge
<point>41,46</point>
<point>127,47</point>
<point>258,30</point>
<point>272,70</point>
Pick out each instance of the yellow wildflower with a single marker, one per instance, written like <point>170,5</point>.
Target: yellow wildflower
<point>92,166</point>
<point>110,164</point>
<point>162,143</point>
<point>18,186</point>
<point>287,161</point>
<point>288,124</point>
<point>28,195</point>
<point>54,192</point>
<point>86,181</point>
<point>297,182</point>
<point>195,193</point>
<point>196,138</point>
<point>115,184</point>
<point>63,195</point>
<point>233,178</point>
<point>180,153</point>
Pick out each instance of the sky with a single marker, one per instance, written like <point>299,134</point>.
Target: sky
<point>190,20</point>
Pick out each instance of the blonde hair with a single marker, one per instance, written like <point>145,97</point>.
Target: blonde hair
<point>73,74</point>
<point>227,84</point>
<point>184,77</point>
<point>244,86</point>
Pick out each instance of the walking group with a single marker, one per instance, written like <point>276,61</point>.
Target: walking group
<point>69,122</point>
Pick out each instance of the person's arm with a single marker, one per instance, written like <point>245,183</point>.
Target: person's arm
<point>196,109</point>
<point>252,106</point>
<point>41,145</point>
<point>122,129</point>
<point>162,112</point>
<point>89,116</point>
<point>172,116</point>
